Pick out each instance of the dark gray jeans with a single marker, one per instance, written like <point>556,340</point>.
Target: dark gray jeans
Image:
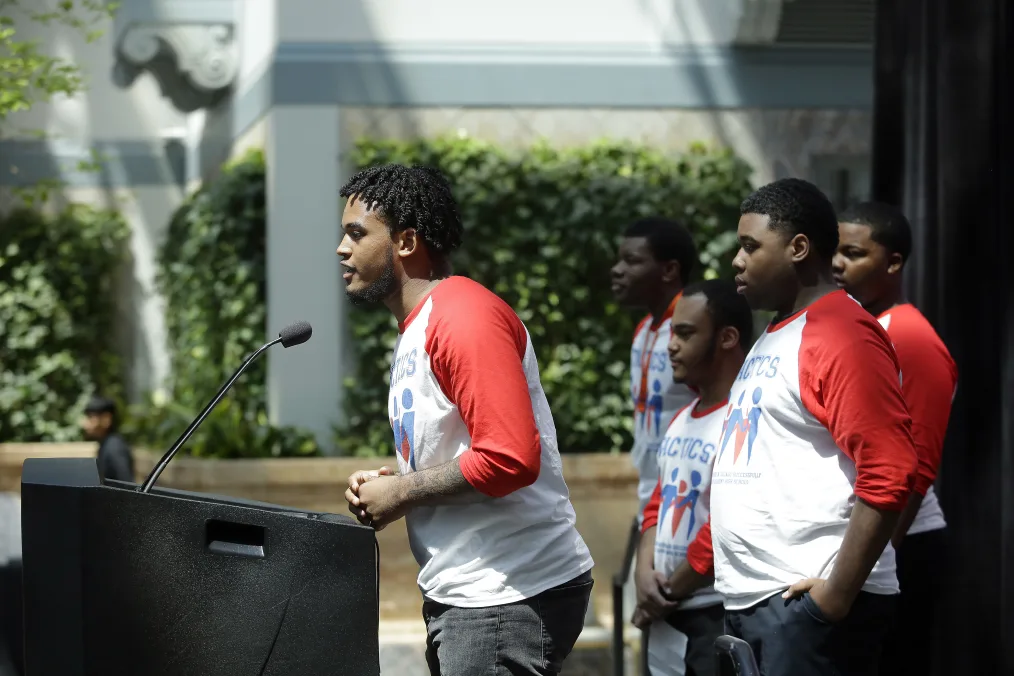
<point>533,636</point>
<point>794,638</point>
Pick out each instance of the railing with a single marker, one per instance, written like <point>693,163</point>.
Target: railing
<point>619,581</point>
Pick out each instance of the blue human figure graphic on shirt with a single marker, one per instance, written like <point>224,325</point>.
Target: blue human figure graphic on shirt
<point>670,492</point>
<point>733,423</point>
<point>404,428</point>
<point>753,422</point>
<point>689,501</point>
<point>655,405</point>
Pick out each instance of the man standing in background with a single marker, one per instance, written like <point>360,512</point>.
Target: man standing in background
<point>875,241</point>
<point>656,259</point>
<point>99,424</point>
<point>817,460</point>
<point>712,329</point>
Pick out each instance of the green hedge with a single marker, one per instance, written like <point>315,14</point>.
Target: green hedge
<point>58,278</point>
<point>211,272</point>
<point>542,227</point>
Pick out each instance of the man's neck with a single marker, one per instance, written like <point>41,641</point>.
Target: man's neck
<point>882,305</point>
<point>716,390</point>
<point>813,287</point>
<point>411,293</point>
<point>660,307</point>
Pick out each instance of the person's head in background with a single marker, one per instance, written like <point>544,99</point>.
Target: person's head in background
<point>712,331</point>
<point>875,241</point>
<point>788,234</point>
<point>656,258</point>
<point>99,420</point>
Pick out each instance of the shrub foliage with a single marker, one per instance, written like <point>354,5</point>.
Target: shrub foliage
<point>541,230</point>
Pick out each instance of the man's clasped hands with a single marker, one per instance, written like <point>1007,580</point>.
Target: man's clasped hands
<point>376,497</point>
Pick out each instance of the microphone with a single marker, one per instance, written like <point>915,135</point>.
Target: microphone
<point>293,334</point>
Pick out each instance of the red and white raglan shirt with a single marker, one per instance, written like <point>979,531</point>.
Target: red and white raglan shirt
<point>680,505</point>
<point>816,419</point>
<point>465,384</point>
<point>929,380</point>
<point>656,397</point>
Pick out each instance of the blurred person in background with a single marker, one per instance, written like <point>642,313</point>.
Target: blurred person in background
<point>655,260</point>
<point>875,242</point>
<point>712,329</point>
<point>99,423</point>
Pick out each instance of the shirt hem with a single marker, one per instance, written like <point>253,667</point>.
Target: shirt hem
<point>504,599</point>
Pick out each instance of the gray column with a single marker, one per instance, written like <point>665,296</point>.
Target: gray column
<point>303,178</point>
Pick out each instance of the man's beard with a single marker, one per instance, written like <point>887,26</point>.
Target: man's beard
<point>379,290</point>
<point>706,359</point>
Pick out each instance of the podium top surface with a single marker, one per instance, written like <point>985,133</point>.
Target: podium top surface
<point>82,473</point>
<point>75,472</point>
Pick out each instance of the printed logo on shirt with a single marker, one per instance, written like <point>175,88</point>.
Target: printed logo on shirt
<point>657,363</point>
<point>742,422</point>
<point>404,366</point>
<point>759,366</point>
<point>686,448</point>
<point>404,427</point>
<point>682,499</point>
<point>651,410</point>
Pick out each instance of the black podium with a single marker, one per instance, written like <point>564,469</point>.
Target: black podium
<point>185,584</point>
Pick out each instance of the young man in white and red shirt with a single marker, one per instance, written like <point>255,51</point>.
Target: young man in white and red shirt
<point>655,261</point>
<point>712,329</point>
<point>875,241</point>
<point>479,475</point>
<point>816,461</point>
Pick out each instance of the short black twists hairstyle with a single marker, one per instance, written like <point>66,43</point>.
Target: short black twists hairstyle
<point>797,207</point>
<point>726,306</point>
<point>668,240</point>
<point>411,197</point>
<point>889,226</point>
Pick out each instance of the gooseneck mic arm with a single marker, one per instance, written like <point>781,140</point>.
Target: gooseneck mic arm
<point>294,334</point>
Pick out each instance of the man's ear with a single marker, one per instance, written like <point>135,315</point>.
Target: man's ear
<point>799,248</point>
<point>406,242</point>
<point>670,271</point>
<point>728,337</point>
<point>895,263</point>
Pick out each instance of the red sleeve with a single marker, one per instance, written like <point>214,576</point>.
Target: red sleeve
<point>700,555</point>
<point>849,380</point>
<point>928,379</point>
<point>476,346</point>
<point>649,517</point>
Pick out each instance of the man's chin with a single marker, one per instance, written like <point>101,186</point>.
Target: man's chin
<point>361,297</point>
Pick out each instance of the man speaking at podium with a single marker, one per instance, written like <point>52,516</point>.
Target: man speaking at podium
<point>505,576</point>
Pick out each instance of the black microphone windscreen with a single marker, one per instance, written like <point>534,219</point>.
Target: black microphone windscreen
<point>295,334</point>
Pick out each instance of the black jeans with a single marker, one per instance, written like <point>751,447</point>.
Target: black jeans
<point>793,638</point>
<point>533,636</point>
<point>922,571</point>
<point>701,626</point>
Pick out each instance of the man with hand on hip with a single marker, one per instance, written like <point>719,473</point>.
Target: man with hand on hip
<point>816,462</point>
<point>505,576</point>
